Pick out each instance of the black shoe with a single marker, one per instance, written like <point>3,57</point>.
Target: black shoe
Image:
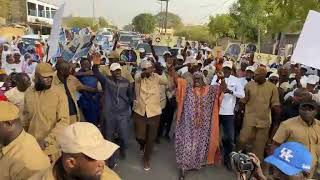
<point>168,138</point>
<point>123,155</point>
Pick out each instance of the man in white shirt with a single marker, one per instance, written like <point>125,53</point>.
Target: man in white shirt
<point>226,115</point>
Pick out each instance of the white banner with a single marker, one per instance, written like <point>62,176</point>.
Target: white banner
<point>55,32</point>
<point>307,51</point>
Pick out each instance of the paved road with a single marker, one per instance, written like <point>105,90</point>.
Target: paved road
<point>163,166</point>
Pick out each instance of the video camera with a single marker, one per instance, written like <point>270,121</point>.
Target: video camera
<point>241,162</point>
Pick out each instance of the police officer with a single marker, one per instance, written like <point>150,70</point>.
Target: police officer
<point>20,155</point>
<point>84,151</point>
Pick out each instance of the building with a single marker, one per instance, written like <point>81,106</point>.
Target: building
<point>35,13</point>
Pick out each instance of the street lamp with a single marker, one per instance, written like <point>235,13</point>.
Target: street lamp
<point>166,17</point>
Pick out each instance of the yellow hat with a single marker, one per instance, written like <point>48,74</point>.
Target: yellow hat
<point>44,69</point>
<point>8,111</point>
<point>83,137</point>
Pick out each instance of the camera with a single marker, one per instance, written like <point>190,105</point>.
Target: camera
<point>241,162</point>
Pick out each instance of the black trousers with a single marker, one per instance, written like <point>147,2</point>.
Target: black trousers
<point>167,117</point>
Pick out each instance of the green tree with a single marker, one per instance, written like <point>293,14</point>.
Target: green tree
<point>252,18</point>
<point>144,23</point>
<point>103,22</point>
<point>222,26</point>
<point>128,27</point>
<point>196,33</point>
<point>80,22</point>
<point>174,21</point>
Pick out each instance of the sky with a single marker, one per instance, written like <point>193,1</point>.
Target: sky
<point>121,12</point>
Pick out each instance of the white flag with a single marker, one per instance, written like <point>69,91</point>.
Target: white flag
<point>307,51</point>
<point>55,32</point>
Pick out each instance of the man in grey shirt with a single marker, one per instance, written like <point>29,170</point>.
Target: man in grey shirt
<point>117,101</point>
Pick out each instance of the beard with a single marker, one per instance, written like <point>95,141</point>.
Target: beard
<point>40,86</point>
<point>80,175</point>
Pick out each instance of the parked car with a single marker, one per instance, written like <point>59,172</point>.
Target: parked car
<point>126,40</point>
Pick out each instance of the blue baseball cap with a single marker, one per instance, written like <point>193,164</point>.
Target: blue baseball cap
<point>291,158</point>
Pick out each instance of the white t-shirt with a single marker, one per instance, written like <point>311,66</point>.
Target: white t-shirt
<point>229,100</point>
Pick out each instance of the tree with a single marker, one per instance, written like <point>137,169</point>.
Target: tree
<point>144,23</point>
<point>174,21</point>
<point>222,26</point>
<point>128,27</point>
<point>103,22</point>
<point>83,22</point>
<point>196,33</point>
<point>80,22</point>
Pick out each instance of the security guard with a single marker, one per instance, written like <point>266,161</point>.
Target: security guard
<point>304,129</point>
<point>20,155</point>
<point>46,108</point>
<point>84,151</point>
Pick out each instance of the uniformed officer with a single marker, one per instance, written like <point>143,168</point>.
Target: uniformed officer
<point>20,155</point>
<point>304,129</point>
<point>46,110</point>
<point>84,151</point>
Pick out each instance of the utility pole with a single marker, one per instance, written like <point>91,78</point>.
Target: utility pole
<point>166,21</point>
<point>93,13</point>
<point>166,17</point>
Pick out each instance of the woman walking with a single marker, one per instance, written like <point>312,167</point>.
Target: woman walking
<point>197,129</point>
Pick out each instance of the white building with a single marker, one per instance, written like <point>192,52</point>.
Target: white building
<point>40,11</point>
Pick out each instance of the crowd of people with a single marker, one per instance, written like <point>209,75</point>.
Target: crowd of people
<point>69,120</point>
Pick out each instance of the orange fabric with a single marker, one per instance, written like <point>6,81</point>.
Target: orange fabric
<point>199,92</point>
<point>180,94</point>
<point>39,51</point>
<point>218,67</point>
<point>215,134</point>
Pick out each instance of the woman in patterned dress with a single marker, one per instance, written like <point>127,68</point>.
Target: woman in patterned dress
<point>197,129</point>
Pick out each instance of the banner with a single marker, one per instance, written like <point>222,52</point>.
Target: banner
<point>308,49</point>
<point>267,59</point>
<point>55,32</point>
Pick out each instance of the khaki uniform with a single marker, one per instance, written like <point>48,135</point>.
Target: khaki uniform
<point>22,158</point>
<point>74,85</point>
<point>47,113</point>
<point>105,70</point>
<point>148,95</point>
<point>47,174</point>
<point>257,118</point>
<point>17,98</point>
<point>296,130</point>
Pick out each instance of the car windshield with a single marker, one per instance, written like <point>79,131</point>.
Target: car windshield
<point>30,41</point>
<point>126,38</point>
<point>144,46</point>
<point>160,50</point>
<point>174,52</point>
<point>106,33</point>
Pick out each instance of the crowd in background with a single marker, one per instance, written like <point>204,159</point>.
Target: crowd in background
<point>216,105</point>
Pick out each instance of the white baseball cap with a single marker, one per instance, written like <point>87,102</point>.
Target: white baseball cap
<point>115,66</point>
<point>250,68</point>
<point>228,64</point>
<point>167,52</point>
<point>274,75</point>
<point>273,70</point>
<point>179,56</point>
<point>292,75</point>
<point>142,50</point>
<point>312,79</point>
<point>83,137</point>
